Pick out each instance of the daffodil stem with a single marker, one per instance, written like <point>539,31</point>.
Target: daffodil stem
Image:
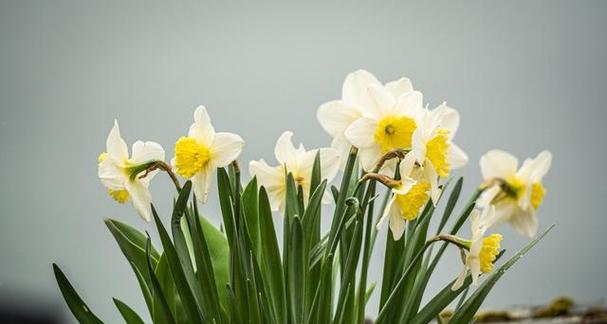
<point>453,240</point>
<point>396,153</point>
<point>387,181</point>
<point>161,165</point>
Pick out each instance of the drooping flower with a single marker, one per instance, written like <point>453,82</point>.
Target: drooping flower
<point>482,250</point>
<point>408,197</point>
<point>371,116</point>
<point>122,175</point>
<point>299,162</point>
<point>433,147</point>
<point>202,151</point>
<point>516,194</point>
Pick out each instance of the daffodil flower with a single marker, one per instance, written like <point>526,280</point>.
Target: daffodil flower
<point>299,162</point>
<point>121,174</point>
<point>202,151</point>
<point>516,194</point>
<point>408,198</point>
<point>482,250</point>
<point>433,147</point>
<point>373,117</point>
<point>338,115</point>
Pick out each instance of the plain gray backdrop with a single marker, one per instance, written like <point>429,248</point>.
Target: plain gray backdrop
<point>525,76</point>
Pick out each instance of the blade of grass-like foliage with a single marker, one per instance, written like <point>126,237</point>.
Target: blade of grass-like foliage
<point>453,197</point>
<point>164,313</point>
<point>80,310</point>
<point>250,211</point>
<point>175,265</point>
<point>296,269</point>
<point>272,271</point>
<point>466,312</point>
<point>129,315</point>
<point>132,243</point>
<point>346,291</point>
<point>441,300</point>
<point>362,285</point>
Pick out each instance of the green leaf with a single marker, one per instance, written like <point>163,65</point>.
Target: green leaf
<point>219,252</point>
<point>250,210</point>
<point>453,197</point>
<point>465,313</point>
<point>181,283</point>
<point>272,271</point>
<point>80,310</point>
<point>129,315</point>
<point>164,315</point>
<point>296,269</point>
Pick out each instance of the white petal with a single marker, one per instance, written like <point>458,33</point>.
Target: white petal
<point>498,164</point>
<point>202,129</point>
<point>362,132</point>
<point>542,164</point>
<point>457,157</point>
<point>226,148</point>
<point>409,102</point>
<point>267,176</point>
<point>368,157</point>
<point>285,151</point>
<point>383,101</point>
<point>146,152</point>
<point>115,145</point>
<point>407,165</point>
<point>418,143</point>
<point>525,222</point>
<point>342,145</point>
<point>475,270</point>
<point>329,162</point>
<point>397,222</point>
<point>354,90</point>
<point>447,118</point>
<point>399,87</point>
<point>406,185</point>
<point>201,182</point>
<point>432,178</point>
<point>460,279</point>
<point>111,175</point>
<point>141,198</point>
<point>335,117</point>
<point>386,214</point>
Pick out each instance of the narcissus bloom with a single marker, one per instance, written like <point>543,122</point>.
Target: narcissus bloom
<point>482,250</point>
<point>297,161</point>
<point>202,151</point>
<point>408,198</point>
<point>371,116</point>
<point>433,147</point>
<point>121,174</point>
<point>516,194</point>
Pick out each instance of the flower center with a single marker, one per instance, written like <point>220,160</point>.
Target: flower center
<point>489,251</point>
<point>537,194</point>
<point>437,149</point>
<point>411,202</point>
<point>190,156</point>
<point>394,132</point>
<point>120,196</point>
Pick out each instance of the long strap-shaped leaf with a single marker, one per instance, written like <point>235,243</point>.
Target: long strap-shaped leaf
<point>465,313</point>
<point>129,315</point>
<point>80,310</point>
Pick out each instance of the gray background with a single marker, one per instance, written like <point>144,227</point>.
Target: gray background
<point>525,76</point>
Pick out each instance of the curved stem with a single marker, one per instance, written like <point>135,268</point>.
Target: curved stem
<point>161,165</point>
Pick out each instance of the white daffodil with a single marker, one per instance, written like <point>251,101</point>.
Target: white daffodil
<point>297,161</point>
<point>356,101</point>
<point>408,198</point>
<point>433,147</point>
<point>203,151</point>
<point>516,194</point>
<point>121,174</point>
<point>482,250</point>
<point>373,117</point>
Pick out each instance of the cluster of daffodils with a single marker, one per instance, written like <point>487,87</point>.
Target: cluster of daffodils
<point>398,140</point>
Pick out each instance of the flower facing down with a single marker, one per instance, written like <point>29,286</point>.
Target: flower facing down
<point>482,250</point>
<point>433,147</point>
<point>387,122</point>
<point>356,101</point>
<point>202,151</point>
<point>299,162</point>
<point>408,199</point>
<point>121,174</point>
<point>516,194</point>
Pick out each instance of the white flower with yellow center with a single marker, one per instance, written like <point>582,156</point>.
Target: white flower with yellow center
<point>122,175</point>
<point>299,162</point>
<point>203,151</point>
<point>433,147</point>
<point>408,198</point>
<point>482,250</point>
<point>516,194</point>
<point>357,101</point>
